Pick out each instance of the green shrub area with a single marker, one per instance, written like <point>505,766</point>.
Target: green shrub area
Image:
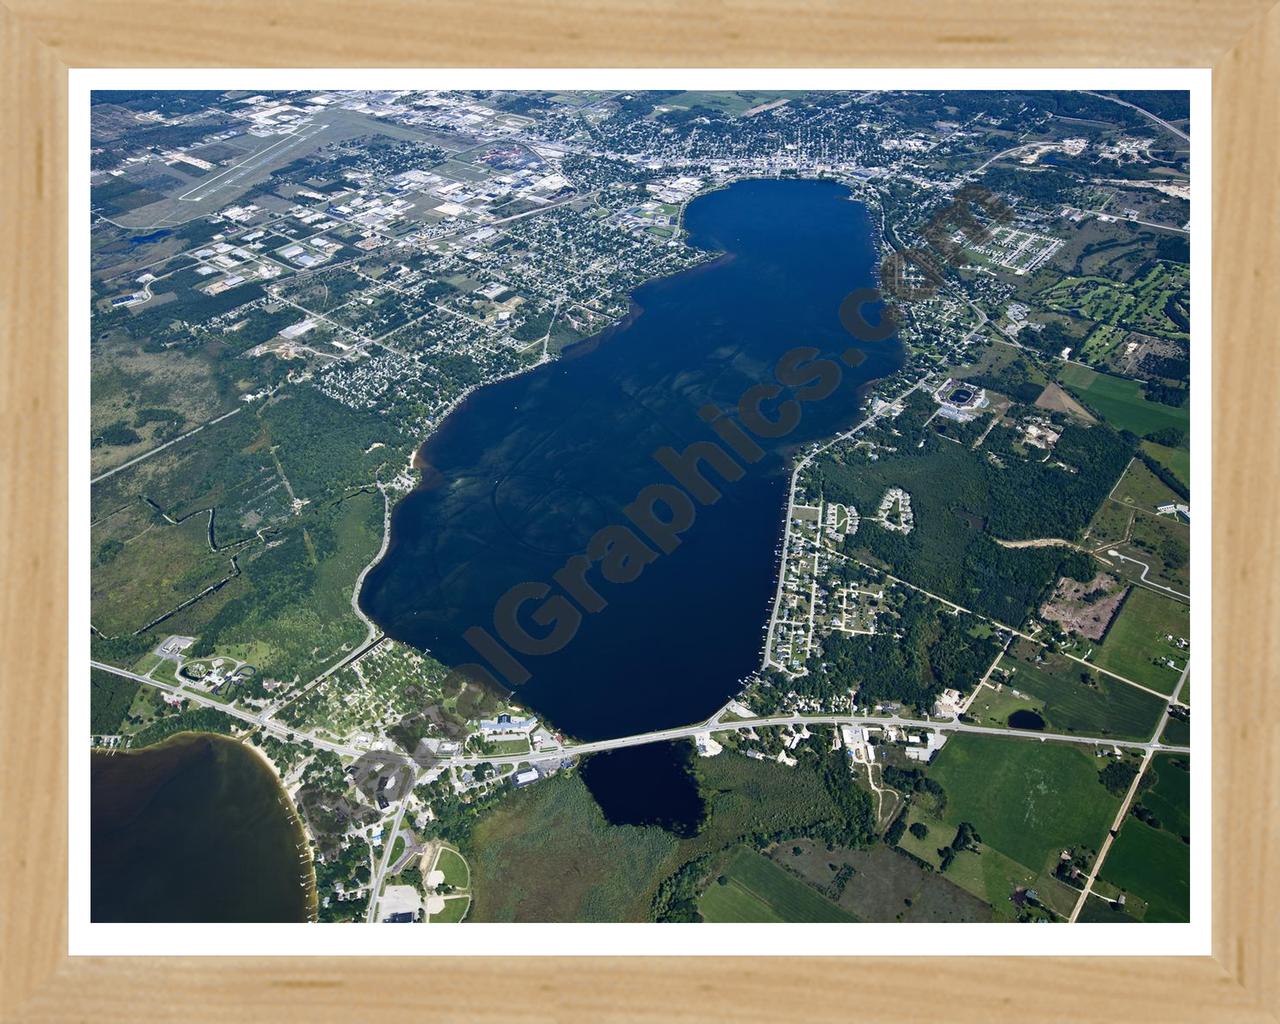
<point>110,696</point>
<point>295,596</point>
<point>227,466</point>
<point>145,566</point>
<point>546,853</point>
<point>196,719</point>
<point>323,445</point>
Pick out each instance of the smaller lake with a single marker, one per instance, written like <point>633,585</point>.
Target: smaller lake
<point>1024,719</point>
<point>155,236</point>
<point>648,785</point>
<point>196,829</point>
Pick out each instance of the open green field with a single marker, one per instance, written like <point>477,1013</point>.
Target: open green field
<point>1140,488</point>
<point>1109,526</point>
<point>1176,460</point>
<point>1072,698</point>
<point>757,890</point>
<point>1151,859</point>
<point>1096,911</point>
<point>994,706</point>
<point>454,867</point>
<point>1156,865</point>
<point>1027,800</point>
<point>1120,401</point>
<point>927,848</point>
<point>455,909</point>
<point>1136,644</point>
<point>732,103</point>
<point>992,877</point>
<point>1164,543</point>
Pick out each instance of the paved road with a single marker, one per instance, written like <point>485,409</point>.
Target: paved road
<point>160,448</point>
<point>1112,553</point>
<point>1145,113</point>
<point>261,718</point>
<point>713,724</point>
<point>1124,807</point>
<point>791,504</point>
<point>1131,220</point>
<point>389,841</point>
<point>687,731</point>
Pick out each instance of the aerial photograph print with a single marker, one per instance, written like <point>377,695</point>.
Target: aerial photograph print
<point>638,506</point>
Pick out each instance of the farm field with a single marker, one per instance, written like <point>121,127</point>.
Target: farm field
<point>757,890</point>
<point>1176,731</point>
<point>1136,640</point>
<point>1098,707</point>
<point>1120,401</point>
<point>1154,864</point>
<point>1029,801</point>
<point>884,886</point>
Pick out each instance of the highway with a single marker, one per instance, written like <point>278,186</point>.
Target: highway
<point>1145,113</point>
<point>261,719</point>
<point>714,724</point>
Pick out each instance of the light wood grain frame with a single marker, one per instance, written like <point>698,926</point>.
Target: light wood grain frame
<point>41,39</point>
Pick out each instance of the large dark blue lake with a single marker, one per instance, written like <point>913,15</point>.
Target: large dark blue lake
<point>523,474</point>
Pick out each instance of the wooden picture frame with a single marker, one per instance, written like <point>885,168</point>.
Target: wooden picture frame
<point>42,39</point>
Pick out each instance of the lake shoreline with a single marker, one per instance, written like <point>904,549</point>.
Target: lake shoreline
<point>572,447</point>
<point>146,843</point>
